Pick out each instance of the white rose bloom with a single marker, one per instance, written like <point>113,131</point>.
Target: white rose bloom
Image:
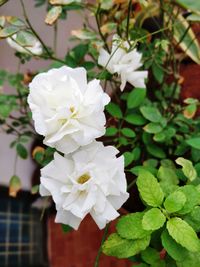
<point>125,64</point>
<point>35,49</point>
<point>66,109</point>
<point>90,180</point>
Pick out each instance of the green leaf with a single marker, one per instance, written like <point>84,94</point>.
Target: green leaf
<point>14,185</point>
<point>192,260</point>
<point>128,132</point>
<point>114,110</point>
<point>153,219</point>
<point>128,158</point>
<point>189,44</point>
<point>22,151</point>
<point>193,218</point>
<point>168,175</point>
<point>84,34</point>
<point>150,255</point>
<point>5,110</point>
<point>136,97</point>
<point>79,52</point>
<point>151,113</point>
<point>183,234</point>
<point>130,226</point>
<point>176,251</point>
<point>15,21</point>
<point>187,168</point>
<point>175,201</point>
<point>124,248</point>
<point>194,142</point>
<point>149,189</point>
<point>190,111</point>
<point>111,131</point>
<point>153,128</point>
<point>192,198</point>
<point>135,119</point>
<point>191,5</point>
<point>193,17</point>
<point>35,189</point>
<point>158,72</point>
<point>151,163</point>
<point>2,2</point>
<point>8,31</point>
<point>136,153</point>
<point>66,228</point>
<point>156,151</point>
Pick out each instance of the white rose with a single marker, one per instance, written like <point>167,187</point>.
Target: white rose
<point>35,48</point>
<point>125,64</point>
<point>66,109</point>
<point>90,180</point>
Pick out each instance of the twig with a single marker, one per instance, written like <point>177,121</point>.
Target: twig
<point>128,19</point>
<point>99,28</point>
<point>32,29</point>
<point>96,264</point>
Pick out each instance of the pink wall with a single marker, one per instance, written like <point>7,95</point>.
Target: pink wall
<point>9,62</point>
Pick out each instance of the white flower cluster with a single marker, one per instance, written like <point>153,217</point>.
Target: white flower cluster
<point>125,64</point>
<point>89,178</point>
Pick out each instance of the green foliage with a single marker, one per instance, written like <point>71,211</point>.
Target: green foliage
<point>135,119</point>
<point>188,169</point>
<point>130,226</point>
<point>194,142</point>
<point>111,131</point>
<point>175,250</point>
<point>153,219</point>
<point>22,151</point>
<point>124,248</point>
<point>193,218</point>
<point>183,234</point>
<point>150,256</point>
<point>151,113</point>
<point>173,219</point>
<point>149,189</point>
<point>136,97</point>
<point>150,126</point>
<point>175,202</point>
<point>128,132</point>
<point>128,158</point>
<point>114,110</point>
<point>192,198</point>
<point>66,228</point>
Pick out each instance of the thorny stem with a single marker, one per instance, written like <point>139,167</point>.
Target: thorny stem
<point>96,264</point>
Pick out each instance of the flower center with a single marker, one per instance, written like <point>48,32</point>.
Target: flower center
<point>72,109</point>
<point>83,178</point>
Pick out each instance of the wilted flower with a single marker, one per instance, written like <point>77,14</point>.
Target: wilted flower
<point>125,63</point>
<point>90,180</point>
<point>35,48</point>
<point>66,109</point>
<point>63,2</point>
